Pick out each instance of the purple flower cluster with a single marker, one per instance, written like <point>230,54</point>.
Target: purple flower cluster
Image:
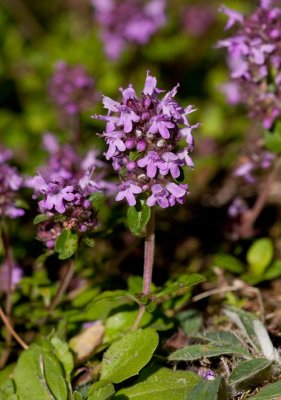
<point>71,88</point>
<point>206,373</point>
<point>237,207</point>
<point>127,21</point>
<point>198,19</point>
<point>17,275</point>
<point>142,135</point>
<point>63,186</point>
<point>255,60</point>
<point>10,183</point>
<point>253,163</point>
<point>249,168</point>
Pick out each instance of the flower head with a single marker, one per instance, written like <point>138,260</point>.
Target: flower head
<point>197,19</point>
<point>142,134</point>
<point>71,88</point>
<point>17,274</point>
<point>63,187</point>
<point>254,54</point>
<point>10,183</point>
<point>127,21</point>
<point>254,163</point>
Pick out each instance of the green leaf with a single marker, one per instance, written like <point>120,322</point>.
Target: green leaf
<point>160,384</point>
<point>102,390</point>
<point>77,396</point>
<point>184,281</point>
<point>209,390</point>
<point>6,372</point>
<point>273,141</point>
<point>103,303</point>
<point>190,321</point>
<point>40,218</point>
<point>39,375</point>
<point>7,390</point>
<point>89,241</point>
<point>250,374</point>
<point>127,356</point>
<point>121,322</point>
<point>97,199</point>
<point>260,255</point>
<point>138,217</point>
<point>229,263</point>
<point>223,337</point>
<point>135,284</point>
<point>197,351</point>
<point>66,244</point>
<point>273,271</point>
<point>269,392</point>
<point>64,356</point>
<point>244,320</point>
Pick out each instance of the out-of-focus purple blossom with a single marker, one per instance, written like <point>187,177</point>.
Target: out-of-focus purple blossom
<point>237,208</point>
<point>17,275</point>
<point>251,165</point>
<point>89,324</point>
<point>142,135</point>
<point>10,183</point>
<point>127,21</point>
<point>63,186</point>
<point>255,60</point>
<point>197,19</point>
<point>232,91</point>
<point>206,373</point>
<point>71,88</point>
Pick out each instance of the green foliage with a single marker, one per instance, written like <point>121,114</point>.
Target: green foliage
<point>66,244</point>
<point>7,390</point>
<point>175,286</point>
<point>104,303</point>
<point>127,356</point>
<point>39,374</point>
<point>138,217</point>
<point>40,218</point>
<point>221,337</point>
<point>229,263</point>
<point>259,256</point>
<point>190,321</point>
<point>209,390</point>
<point>65,357</point>
<point>121,322</point>
<point>197,351</point>
<point>250,374</point>
<point>102,390</point>
<point>273,139</point>
<point>159,384</point>
<point>269,392</point>
<point>245,322</point>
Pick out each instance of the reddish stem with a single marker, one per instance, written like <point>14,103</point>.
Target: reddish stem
<point>250,216</point>
<point>10,266</point>
<point>149,246</point>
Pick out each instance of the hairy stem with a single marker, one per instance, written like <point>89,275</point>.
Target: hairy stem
<point>249,217</point>
<point>149,246</point>
<point>10,266</point>
<point>63,285</point>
